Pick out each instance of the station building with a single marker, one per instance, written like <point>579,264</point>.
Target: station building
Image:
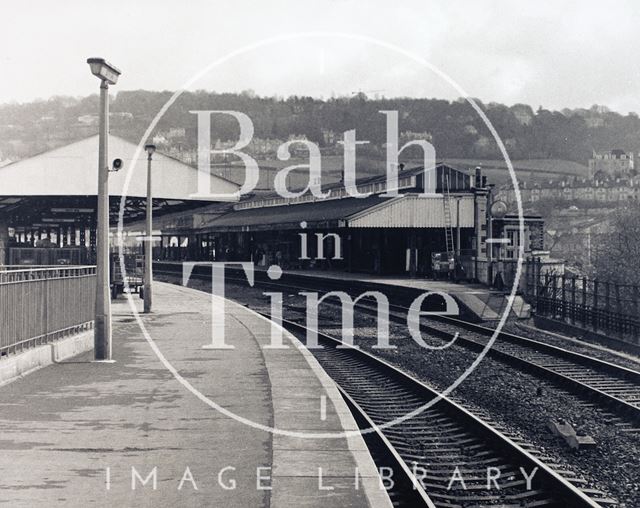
<point>377,234</point>
<point>48,214</point>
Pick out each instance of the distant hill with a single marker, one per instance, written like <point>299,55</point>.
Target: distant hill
<point>542,141</point>
<point>529,170</point>
<point>333,168</point>
<point>538,166</point>
<point>332,171</point>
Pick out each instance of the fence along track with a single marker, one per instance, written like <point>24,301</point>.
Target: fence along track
<point>594,305</point>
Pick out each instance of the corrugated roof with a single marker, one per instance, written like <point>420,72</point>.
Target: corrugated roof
<point>327,212</point>
<point>415,211</point>
<point>404,211</point>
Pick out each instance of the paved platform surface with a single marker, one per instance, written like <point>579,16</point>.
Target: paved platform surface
<point>485,303</point>
<point>79,433</point>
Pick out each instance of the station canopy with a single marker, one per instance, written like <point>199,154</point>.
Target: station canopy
<point>63,182</point>
<point>403,211</point>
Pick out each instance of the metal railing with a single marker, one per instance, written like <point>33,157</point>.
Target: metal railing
<point>11,268</point>
<point>39,305</point>
<point>600,306</point>
<point>38,256</point>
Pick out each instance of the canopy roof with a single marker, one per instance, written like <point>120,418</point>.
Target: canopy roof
<point>404,211</point>
<point>71,170</point>
<point>61,184</point>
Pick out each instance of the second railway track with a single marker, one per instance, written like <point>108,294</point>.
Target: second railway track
<point>616,388</point>
<point>445,439</point>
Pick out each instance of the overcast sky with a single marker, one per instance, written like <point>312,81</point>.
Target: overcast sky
<point>556,53</point>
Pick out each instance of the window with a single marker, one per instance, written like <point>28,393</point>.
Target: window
<point>511,248</point>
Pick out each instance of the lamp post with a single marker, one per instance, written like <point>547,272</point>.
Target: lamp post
<point>108,75</point>
<point>148,247</point>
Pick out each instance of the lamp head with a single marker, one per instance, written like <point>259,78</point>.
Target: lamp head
<point>104,70</point>
<point>150,149</point>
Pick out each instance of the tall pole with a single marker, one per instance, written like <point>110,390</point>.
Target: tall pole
<point>4,242</point>
<point>148,247</point>
<point>458,229</point>
<point>102,333</point>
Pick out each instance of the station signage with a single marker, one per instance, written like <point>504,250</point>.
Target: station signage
<point>57,219</point>
<point>72,210</point>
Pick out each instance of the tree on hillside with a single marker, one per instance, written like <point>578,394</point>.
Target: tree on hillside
<point>617,252</point>
<point>455,127</point>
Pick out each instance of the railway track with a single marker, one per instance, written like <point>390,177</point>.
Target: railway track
<point>616,388</point>
<point>613,388</point>
<point>431,444</point>
<point>409,437</point>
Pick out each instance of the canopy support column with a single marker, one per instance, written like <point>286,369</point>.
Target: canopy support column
<point>4,242</point>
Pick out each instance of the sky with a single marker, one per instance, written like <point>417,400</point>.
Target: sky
<point>555,54</point>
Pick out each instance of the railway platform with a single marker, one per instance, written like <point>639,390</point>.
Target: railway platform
<point>479,301</point>
<point>144,431</point>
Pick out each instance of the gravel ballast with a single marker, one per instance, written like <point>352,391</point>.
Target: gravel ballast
<point>519,402</point>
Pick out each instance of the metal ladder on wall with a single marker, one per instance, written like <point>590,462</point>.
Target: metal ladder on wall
<point>448,228</point>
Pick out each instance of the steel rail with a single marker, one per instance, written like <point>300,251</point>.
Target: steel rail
<point>557,491</point>
<point>621,379</point>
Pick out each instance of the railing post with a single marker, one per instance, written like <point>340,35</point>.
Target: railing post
<point>563,305</point>
<point>573,300</point>
<point>595,305</point>
<point>583,314</point>
<point>607,305</point>
<point>46,307</point>
<point>636,330</point>
<point>546,294</point>
<point>618,322</point>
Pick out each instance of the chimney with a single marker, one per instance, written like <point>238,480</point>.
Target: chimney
<point>478,178</point>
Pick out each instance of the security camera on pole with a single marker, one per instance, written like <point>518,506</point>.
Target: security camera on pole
<point>108,75</point>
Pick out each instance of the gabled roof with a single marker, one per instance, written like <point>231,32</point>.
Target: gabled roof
<point>71,170</point>
<point>405,210</point>
<point>327,212</point>
<point>410,178</point>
